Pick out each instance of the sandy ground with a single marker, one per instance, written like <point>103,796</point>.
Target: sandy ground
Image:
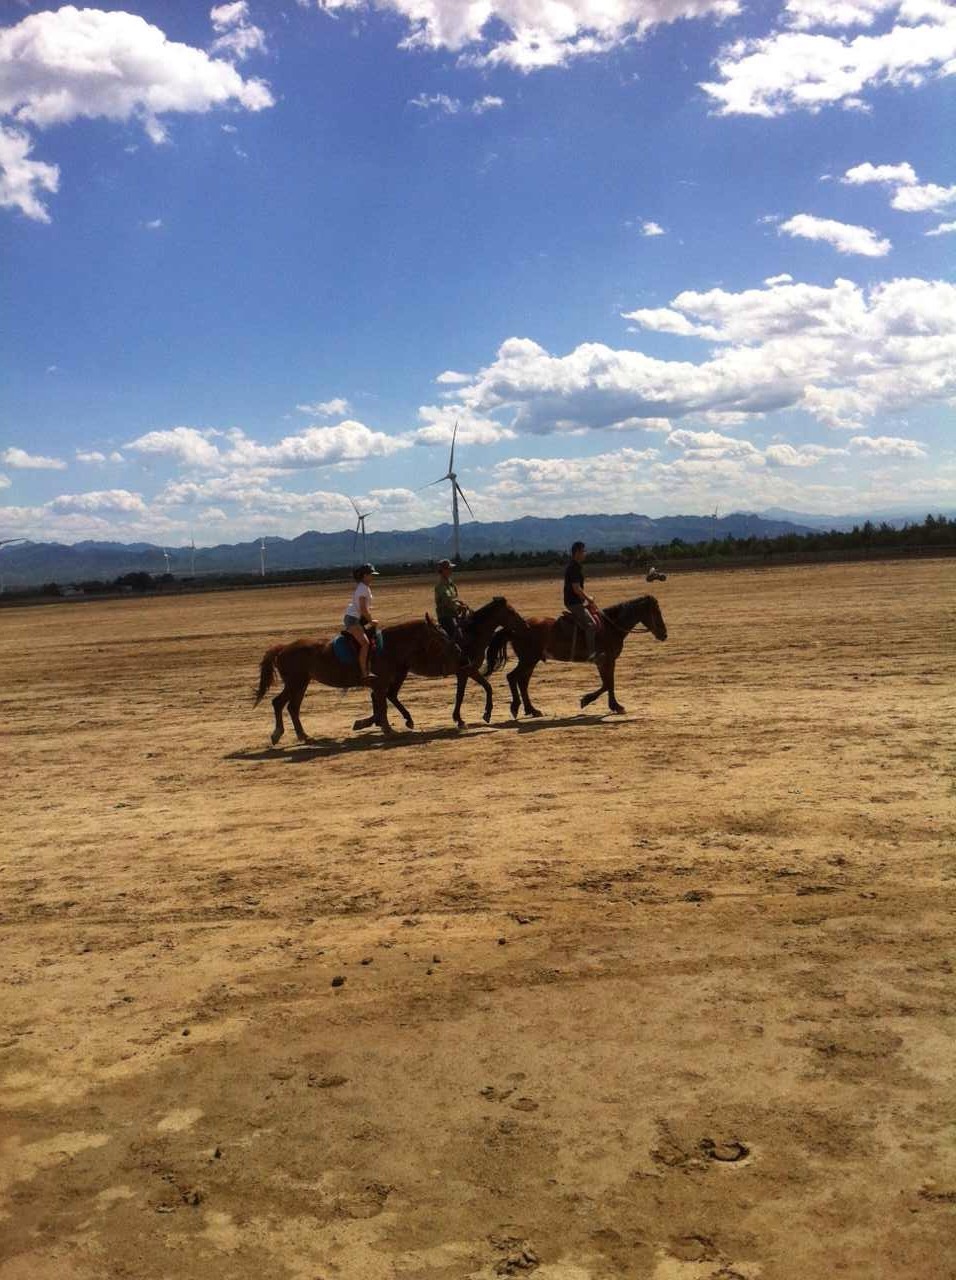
<point>667,995</point>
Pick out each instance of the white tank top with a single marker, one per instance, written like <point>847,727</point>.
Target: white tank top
<point>360,593</point>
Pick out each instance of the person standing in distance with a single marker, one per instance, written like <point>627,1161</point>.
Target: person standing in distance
<point>358,615</point>
<point>576,599</point>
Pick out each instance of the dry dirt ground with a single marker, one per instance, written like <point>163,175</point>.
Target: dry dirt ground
<point>666,996</point>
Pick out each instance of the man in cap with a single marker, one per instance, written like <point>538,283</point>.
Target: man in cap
<point>577,601</point>
<point>449,608</point>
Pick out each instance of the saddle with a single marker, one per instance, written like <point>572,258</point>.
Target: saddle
<point>570,628</point>
<point>345,646</point>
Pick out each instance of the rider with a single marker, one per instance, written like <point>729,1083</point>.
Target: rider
<point>358,615</point>
<point>577,600</point>
<point>449,608</point>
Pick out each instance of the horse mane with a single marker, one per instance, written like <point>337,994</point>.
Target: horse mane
<point>628,609</point>
<point>479,615</point>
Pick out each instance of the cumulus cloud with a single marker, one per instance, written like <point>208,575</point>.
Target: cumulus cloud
<point>333,408</point>
<point>237,37</point>
<point>22,460</point>
<point>451,378</point>
<point>95,456</point>
<point>844,236</point>
<point>783,278</point>
<point>186,445</point>
<point>805,14</point>
<point>652,229</point>
<point>944,229</point>
<point>63,65</point>
<point>795,70</point>
<point>102,501</point>
<point>439,425</point>
<point>711,445</point>
<point>892,174</point>
<point>314,447</point>
<point>888,446</point>
<point>4,481</point>
<point>840,353</point>
<point>923,198</point>
<point>530,36</point>
<point>805,455</point>
<point>22,180</point>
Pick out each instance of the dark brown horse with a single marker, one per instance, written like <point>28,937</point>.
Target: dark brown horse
<point>420,647</point>
<point>476,630</point>
<point>298,663</point>
<point>559,638</point>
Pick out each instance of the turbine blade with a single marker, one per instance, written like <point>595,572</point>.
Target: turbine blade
<point>464,500</point>
<point>431,482</point>
<point>451,460</point>
<point>354,507</point>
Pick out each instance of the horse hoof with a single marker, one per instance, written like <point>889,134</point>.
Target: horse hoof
<point>618,710</point>
<point>409,723</point>
<point>487,717</point>
<point>514,713</point>
<point>275,739</point>
<point>535,714</point>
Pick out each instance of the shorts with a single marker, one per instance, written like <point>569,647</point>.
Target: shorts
<point>350,621</point>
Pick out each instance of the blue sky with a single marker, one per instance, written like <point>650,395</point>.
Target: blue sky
<point>652,255</point>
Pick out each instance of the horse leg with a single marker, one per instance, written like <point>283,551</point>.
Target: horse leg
<point>591,697</point>
<point>515,693</point>
<point>462,679</point>
<point>278,702</point>
<point>295,702</point>
<point>380,710</point>
<point>393,692</point>
<point>489,699</point>
<point>524,679</point>
<point>612,701</point>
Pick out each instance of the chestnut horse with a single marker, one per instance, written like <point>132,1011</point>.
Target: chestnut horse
<point>419,646</point>
<point>476,630</point>
<point>556,638</point>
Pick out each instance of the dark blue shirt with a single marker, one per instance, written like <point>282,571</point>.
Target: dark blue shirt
<point>573,574</point>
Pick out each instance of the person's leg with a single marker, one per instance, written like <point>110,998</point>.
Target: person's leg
<point>582,617</point>
<point>363,653</point>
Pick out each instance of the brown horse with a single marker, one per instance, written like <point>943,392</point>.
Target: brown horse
<point>420,647</point>
<point>559,638</point>
<point>476,630</point>
<point>298,663</point>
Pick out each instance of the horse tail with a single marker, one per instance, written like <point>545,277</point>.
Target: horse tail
<point>497,652</point>
<point>267,671</point>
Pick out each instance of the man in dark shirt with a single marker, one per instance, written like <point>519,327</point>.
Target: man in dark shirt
<point>576,599</point>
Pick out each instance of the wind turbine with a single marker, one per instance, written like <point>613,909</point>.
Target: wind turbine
<point>166,558</point>
<point>456,493</point>
<point>262,557</point>
<point>714,519</point>
<point>192,556</point>
<point>5,542</point>
<point>360,528</point>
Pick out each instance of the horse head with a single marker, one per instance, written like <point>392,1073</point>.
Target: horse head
<point>654,619</point>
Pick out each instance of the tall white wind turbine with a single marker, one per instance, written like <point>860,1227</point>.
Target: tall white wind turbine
<point>456,493</point>
<point>262,557</point>
<point>360,528</point>
<point>166,558</point>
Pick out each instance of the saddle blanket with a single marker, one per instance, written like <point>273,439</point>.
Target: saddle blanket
<point>346,649</point>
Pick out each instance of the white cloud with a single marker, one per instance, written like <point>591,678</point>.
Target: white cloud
<point>154,224</point>
<point>652,229</point>
<point>888,446</point>
<point>63,65</point>
<point>448,106</point>
<point>186,444</point>
<point>944,229</point>
<point>527,34</point>
<point>439,424</point>
<point>451,378</point>
<point>238,37</point>
<point>924,198</point>
<point>844,236</point>
<point>22,179</point>
<point>90,455</point>
<point>803,70</point>
<point>783,278</point>
<point>711,445</point>
<point>804,14</point>
<point>805,455</point>
<point>334,408</point>
<point>840,353</point>
<point>4,481</point>
<point>315,447</point>
<point>897,175</point>
<point>103,501</point>
<point>22,460</point>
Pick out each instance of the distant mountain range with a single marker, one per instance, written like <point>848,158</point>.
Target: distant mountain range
<point>34,563</point>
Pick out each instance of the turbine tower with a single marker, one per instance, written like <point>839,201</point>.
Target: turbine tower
<point>360,528</point>
<point>262,557</point>
<point>456,493</point>
<point>192,557</point>
<point>166,558</point>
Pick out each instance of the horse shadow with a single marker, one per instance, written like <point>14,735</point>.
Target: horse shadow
<point>323,748</point>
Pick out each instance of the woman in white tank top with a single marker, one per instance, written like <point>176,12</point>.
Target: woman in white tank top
<point>359,612</point>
